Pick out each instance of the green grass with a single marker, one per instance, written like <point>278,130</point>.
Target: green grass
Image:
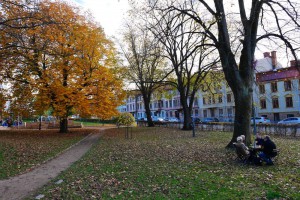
<point>21,150</point>
<point>93,124</point>
<point>160,163</point>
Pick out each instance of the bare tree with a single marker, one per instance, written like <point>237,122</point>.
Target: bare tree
<point>255,22</point>
<point>191,56</point>
<point>146,66</point>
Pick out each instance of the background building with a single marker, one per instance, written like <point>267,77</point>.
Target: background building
<point>276,96</point>
<point>277,93</point>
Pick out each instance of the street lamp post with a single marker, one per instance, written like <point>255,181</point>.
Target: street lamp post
<point>193,126</point>
<point>253,118</point>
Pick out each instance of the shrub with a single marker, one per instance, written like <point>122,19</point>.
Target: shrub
<point>125,119</point>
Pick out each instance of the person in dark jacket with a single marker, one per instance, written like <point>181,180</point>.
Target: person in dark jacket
<point>267,153</point>
<point>259,140</point>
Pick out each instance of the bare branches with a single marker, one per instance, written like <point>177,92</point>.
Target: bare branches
<point>281,37</point>
<point>243,13</point>
<point>146,65</point>
<point>279,22</point>
<point>292,14</point>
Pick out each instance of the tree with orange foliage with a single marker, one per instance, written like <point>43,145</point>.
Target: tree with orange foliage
<point>68,64</point>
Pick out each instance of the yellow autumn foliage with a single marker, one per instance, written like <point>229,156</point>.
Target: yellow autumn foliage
<point>64,57</point>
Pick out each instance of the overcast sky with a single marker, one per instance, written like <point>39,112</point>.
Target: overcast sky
<point>110,13</point>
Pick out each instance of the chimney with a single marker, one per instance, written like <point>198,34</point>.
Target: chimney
<point>293,63</point>
<point>267,54</point>
<point>274,59</point>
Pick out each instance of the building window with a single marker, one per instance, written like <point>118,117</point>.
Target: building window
<point>213,100</point>
<point>204,101</point>
<point>196,112</point>
<point>220,112</point>
<point>204,113</point>
<point>289,102</point>
<point>287,85</point>
<point>229,112</point>
<point>263,104</point>
<point>220,99</point>
<point>196,101</point>
<point>209,100</point>
<point>262,89</point>
<point>274,87</point>
<point>275,102</point>
<point>228,98</point>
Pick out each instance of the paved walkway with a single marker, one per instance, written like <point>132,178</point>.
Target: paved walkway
<point>23,185</point>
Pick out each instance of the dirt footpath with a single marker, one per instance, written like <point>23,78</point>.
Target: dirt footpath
<point>23,185</point>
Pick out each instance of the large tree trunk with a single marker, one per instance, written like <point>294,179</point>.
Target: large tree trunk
<point>148,111</point>
<point>63,125</point>
<point>241,84</point>
<point>243,108</point>
<point>187,120</point>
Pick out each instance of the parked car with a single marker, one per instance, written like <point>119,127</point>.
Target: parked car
<point>210,119</point>
<point>157,119</point>
<point>173,119</point>
<point>290,120</point>
<point>260,120</point>
<point>139,119</point>
<point>196,120</point>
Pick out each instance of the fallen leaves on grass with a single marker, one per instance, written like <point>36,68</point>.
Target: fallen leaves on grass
<point>21,150</point>
<point>160,163</point>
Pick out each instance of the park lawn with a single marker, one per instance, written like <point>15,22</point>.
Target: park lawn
<point>92,124</point>
<point>161,163</point>
<point>21,150</point>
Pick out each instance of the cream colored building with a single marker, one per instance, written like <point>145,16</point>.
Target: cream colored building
<point>276,96</point>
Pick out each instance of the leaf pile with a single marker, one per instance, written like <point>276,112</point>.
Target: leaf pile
<point>161,163</point>
<point>21,150</point>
